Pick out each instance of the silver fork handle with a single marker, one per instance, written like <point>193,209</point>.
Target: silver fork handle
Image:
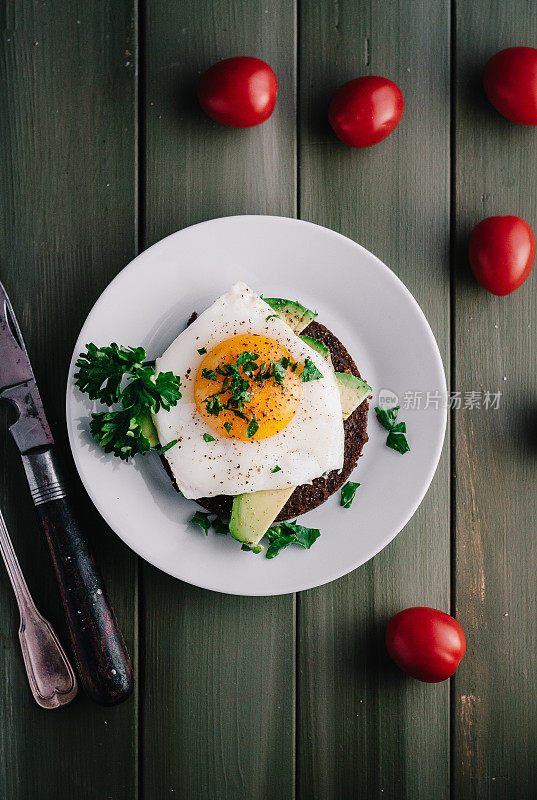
<point>51,676</point>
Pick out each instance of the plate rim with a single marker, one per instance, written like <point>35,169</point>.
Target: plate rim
<point>439,444</point>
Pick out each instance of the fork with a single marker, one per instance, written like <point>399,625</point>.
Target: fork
<point>51,676</point>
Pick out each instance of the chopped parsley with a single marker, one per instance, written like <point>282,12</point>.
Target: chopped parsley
<point>278,372</point>
<point>219,526</point>
<point>237,385</point>
<point>397,440</point>
<point>210,374</point>
<point>202,519</point>
<point>276,469</point>
<point>252,428</point>
<point>283,534</point>
<point>279,536</point>
<point>202,351</point>
<point>208,438</point>
<point>263,373</point>
<point>387,416</point>
<point>161,450</point>
<point>228,426</point>
<point>213,405</point>
<point>396,431</point>
<point>245,357</point>
<point>310,372</point>
<point>236,392</point>
<point>347,493</point>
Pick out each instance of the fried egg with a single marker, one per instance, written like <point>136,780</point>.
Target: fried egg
<point>283,432</point>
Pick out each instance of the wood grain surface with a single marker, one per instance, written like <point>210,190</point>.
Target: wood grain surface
<point>361,723</point>
<point>67,170</point>
<point>103,151</point>
<point>495,349</point>
<point>223,667</point>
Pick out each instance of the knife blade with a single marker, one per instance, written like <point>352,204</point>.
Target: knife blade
<point>17,383</point>
<point>100,653</point>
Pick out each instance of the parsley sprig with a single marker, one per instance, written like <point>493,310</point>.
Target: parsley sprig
<point>396,431</point>
<point>101,371</point>
<point>119,432</point>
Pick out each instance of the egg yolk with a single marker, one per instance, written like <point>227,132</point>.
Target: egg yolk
<point>245,376</point>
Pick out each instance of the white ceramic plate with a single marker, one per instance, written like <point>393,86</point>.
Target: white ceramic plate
<point>361,301</point>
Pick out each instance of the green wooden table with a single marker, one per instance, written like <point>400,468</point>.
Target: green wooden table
<point>103,151</point>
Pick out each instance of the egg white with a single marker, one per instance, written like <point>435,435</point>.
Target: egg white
<point>310,445</point>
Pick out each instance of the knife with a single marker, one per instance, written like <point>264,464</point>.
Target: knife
<point>100,653</point>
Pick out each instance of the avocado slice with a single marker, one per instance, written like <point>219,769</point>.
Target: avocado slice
<point>253,514</point>
<point>292,312</point>
<point>352,392</point>
<point>148,430</point>
<point>316,345</point>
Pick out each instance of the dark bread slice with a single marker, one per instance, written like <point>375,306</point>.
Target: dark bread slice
<point>309,496</point>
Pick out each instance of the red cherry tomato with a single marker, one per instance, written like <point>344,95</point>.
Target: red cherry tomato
<point>510,80</point>
<point>502,252</point>
<point>240,92</point>
<point>365,111</point>
<point>427,644</point>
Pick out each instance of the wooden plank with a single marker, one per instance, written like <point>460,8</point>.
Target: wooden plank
<point>221,667</point>
<point>495,690</point>
<point>364,729</point>
<point>67,134</point>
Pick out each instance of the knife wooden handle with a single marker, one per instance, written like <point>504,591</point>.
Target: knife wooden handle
<point>100,652</point>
